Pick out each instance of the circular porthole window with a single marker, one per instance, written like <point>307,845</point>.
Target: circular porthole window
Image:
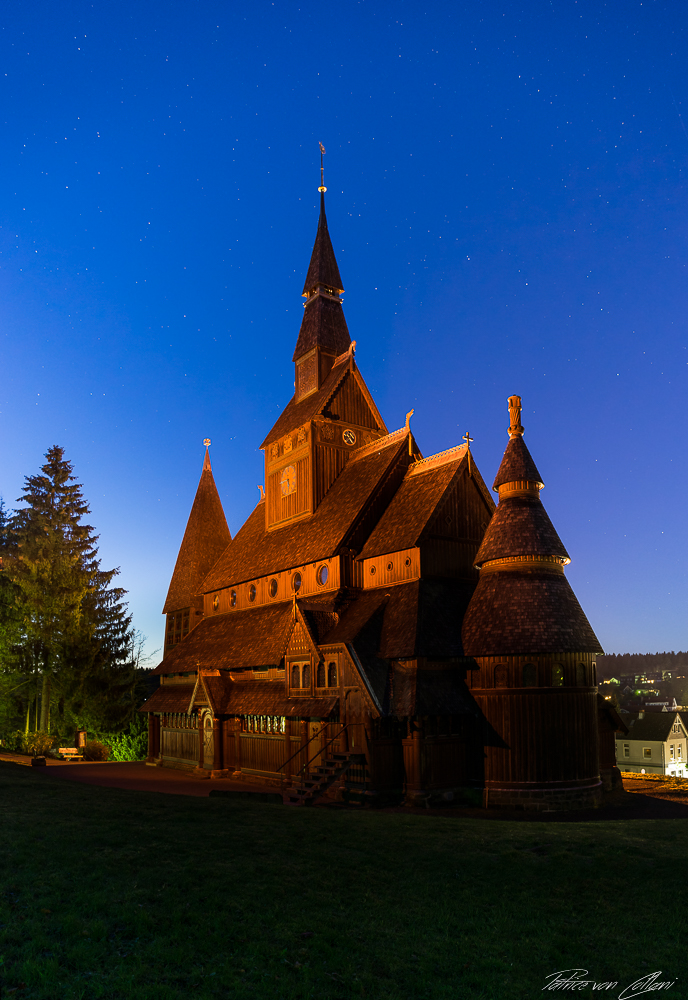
<point>296,582</point>
<point>252,592</point>
<point>349,437</point>
<point>216,602</point>
<point>232,599</point>
<point>373,570</point>
<point>273,588</point>
<point>322,576</point>
<point>407,561</point>
<point>390,567</point>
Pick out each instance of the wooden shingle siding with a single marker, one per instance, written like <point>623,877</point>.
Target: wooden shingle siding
<point>329,462</point>
<point>388,570</point>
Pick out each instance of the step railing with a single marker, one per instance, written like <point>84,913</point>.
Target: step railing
<point>320,752</point>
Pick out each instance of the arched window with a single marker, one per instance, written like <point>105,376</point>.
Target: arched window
<point>332,675</point>
<point>529,675</point>
<point>306,676</point>
<point>580,675</point>
<point>320,679</point>
<point>557,675</point>
<point>501,676</point>
<point>296,676</point>
<point>594,674</point>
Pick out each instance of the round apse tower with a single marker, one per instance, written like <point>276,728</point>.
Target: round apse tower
<point>536,676</point>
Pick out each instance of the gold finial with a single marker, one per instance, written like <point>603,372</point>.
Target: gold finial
<point>322,187</point>
<point>516,428</point>
<point>206,442</point>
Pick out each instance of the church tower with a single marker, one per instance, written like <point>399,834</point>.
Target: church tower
<point>332,412</point>
<point>205,539</point>
<point>536,681</point>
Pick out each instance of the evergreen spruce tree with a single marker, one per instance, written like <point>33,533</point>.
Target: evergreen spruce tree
<point>76,633</point>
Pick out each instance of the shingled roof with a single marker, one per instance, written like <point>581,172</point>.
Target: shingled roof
<point>654,726</point>
<point>295,414</point>
<point>240,639</point>
<point>322,269</point>
<point>205,539</point>
<point>169,698</point>
<point>407,517</point>
<point>323,325</point>
<point>256,552</point>
<point>521,612</point>
<point>517,465</point>
<point>520,526</point>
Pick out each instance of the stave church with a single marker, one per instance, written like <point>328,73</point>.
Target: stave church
<point>379,630</point>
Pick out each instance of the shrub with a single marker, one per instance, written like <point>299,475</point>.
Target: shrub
<point>37,744</point>
<point>95,750</point>
<point>133,744</point>
<point>12,742</point>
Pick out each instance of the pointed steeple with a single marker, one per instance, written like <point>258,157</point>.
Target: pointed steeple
<point>205,539</point>
<point>323,330</point>
<point>322,270</point>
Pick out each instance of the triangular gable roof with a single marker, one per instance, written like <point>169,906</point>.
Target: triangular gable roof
<point>655,726</point>
<point>205,539</point>
<point>256,552</point>
<point>410,512</point>
<point>295,414</point>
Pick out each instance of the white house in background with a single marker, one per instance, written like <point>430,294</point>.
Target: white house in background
<point>656,743</point>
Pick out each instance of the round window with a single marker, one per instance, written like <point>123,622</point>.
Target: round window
<point>252,592</point>
<point>273,588</point>
<point>373,570</point>
<point>322,576</point>
<point>407,561</point>
<point>216,602</point>
<point>390,567</point>
<point>232,599</point>
<point>296,582</point>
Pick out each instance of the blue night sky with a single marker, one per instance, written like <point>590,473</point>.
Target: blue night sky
<point>507,202</point>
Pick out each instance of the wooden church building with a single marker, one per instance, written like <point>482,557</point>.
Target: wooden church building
<point>377,630</point>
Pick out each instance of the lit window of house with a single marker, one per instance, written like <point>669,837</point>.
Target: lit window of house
<point>647,752</point>
<point>671,752</point>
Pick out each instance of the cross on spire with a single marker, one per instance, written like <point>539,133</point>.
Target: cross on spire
<point>467,438</point>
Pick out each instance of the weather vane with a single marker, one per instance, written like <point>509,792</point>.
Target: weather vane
<point>322,187</point>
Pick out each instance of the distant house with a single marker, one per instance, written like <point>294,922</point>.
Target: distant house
<point>667,705</point>
<point>656,743</point>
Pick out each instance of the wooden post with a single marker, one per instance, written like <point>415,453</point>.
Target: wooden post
<point>217,771</point>
<point>237,745</point>
<point>200,742</point>
<point>150,759</point>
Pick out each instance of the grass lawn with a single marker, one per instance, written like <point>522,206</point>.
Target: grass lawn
<point>136,896</point>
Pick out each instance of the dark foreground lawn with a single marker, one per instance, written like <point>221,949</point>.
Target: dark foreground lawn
<point>128,895</point>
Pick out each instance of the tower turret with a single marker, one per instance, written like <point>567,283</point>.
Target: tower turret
<point>205,539</point>
<point>534,648</point>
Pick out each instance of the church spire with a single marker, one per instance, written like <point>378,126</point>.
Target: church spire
<point>205,539</point>
<point>323,331</point>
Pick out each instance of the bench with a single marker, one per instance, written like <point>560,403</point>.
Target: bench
<point>71,753</point>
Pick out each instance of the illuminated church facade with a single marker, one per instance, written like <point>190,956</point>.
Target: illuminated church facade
<point>378,630</point>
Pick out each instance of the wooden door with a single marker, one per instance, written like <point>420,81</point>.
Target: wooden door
<point>314,730</point>
<point>208,744</point>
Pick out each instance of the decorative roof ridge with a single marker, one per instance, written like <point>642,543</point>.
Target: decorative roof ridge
<point>434,461</point>
<point>379,443</point>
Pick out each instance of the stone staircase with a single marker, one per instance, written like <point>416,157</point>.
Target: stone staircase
<point>307,789</point>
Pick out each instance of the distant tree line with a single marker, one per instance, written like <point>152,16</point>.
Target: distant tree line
<point>68,652</point>
<point>621,664</point>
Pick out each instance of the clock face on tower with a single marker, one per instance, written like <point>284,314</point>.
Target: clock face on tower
<point>288,481</point>
<point>349,437</point>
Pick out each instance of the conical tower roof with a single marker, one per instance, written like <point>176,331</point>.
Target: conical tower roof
<point>323,269</point>
<point>205,539</point>
<point>523,603</point>
<point>323,322</point>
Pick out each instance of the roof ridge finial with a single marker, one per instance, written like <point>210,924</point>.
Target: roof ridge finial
<point>516,428</point>
<point>206,460</point>
<point>322,189</point>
